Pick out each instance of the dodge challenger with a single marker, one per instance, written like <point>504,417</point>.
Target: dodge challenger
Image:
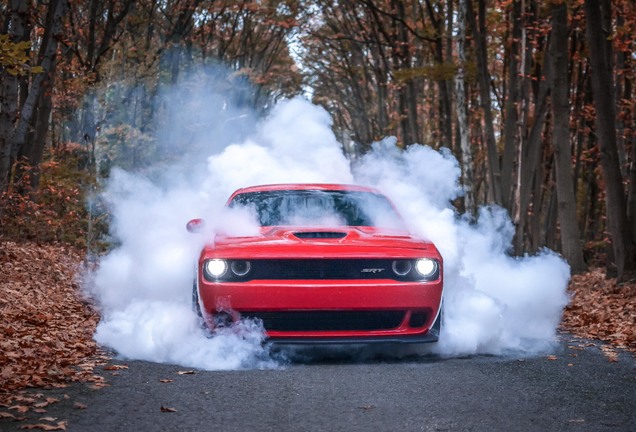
<point>329,263</point>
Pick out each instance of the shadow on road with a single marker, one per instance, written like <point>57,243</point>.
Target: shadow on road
<point>354,354</point>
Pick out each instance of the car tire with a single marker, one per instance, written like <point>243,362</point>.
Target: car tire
<point>436,328</point>
<point>196,307</point>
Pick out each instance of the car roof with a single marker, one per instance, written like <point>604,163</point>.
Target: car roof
<point>305,186</point>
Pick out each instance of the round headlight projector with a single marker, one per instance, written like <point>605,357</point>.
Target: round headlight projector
<point>402,268</point>
<point>240,268</point>
<point>426,267</point>
<point>216,267</point>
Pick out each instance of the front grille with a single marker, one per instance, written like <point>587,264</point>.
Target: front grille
<point>329,320</point>
<point>289,269</point>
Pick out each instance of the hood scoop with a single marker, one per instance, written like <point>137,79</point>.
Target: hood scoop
<point>320,235</point>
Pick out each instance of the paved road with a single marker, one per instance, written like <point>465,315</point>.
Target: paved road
<point>579,390</point>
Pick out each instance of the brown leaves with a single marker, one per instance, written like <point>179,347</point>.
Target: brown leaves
<point>115,367</point>
<point>20,408</point>
<point>47,427</point>
<point>46,326</point>
<point>6,415</point>
<point>602,309</point>
<point>166,409</point>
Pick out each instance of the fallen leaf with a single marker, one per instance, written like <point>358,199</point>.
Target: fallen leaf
<point>189,372</point>
<point>166,380</point>
<point>115,367</point>
<point>20,408</point>
<point>59,426</point>
<point>79,405</point>
<point>166,409</point>
<point>552,357</point>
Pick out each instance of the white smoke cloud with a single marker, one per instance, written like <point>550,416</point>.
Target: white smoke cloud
<point>494,303</point>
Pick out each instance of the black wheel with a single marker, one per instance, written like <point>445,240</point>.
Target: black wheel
<point>436,328</point>
<point>196,307</point>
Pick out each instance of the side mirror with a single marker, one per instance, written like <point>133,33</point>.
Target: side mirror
<point>195,225</point>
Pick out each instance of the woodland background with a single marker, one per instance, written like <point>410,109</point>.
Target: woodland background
<point>534,98</point>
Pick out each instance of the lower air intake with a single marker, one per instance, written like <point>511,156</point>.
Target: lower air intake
<point>329,320</point>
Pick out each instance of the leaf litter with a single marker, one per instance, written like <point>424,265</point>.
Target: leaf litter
<point>46,328</point>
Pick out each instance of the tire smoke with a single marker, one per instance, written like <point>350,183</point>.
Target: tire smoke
<point>494,303</point>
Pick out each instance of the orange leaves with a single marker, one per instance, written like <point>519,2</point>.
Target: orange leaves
<point>47,427</point>
<point>115,367</point>
<point>54,212</point>
<point>46,330</point>
<point>602,309</point>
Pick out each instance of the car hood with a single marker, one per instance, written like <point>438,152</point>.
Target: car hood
<point>310,242</point>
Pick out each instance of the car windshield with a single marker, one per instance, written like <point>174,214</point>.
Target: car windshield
<point>319,208</point>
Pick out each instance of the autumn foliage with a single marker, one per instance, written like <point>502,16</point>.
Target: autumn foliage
<point>93,73</point>
<point>46,325</point>
<point>56,211</point>
<point>602,309</point>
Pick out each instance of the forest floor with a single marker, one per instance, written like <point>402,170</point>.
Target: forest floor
<point>47,324</point>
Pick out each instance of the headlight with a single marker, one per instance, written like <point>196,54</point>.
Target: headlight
<point>426,267</point>
<point>215,268</point>
<point>419,269</point>
<point>220,270</point>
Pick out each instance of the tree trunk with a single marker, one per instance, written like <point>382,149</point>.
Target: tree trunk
<point>462,116</point>
<point>531,154</point>
<point>8,112</point>
<point>603,93</point>
<point>17,24</point>
<point>479,36</point>
<point>444,121</point>
<point>40,133</point>
<point>510,132</point>
<point>54,23</point>
<point>566,197</point>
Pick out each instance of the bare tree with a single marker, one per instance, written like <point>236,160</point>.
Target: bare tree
<point>460,109</point>
<point>510,129</point>
<point>40,82</point>
<point>570,234</point>
<point>478,28</point>
<point>603,92</point>
<point>17,26</point>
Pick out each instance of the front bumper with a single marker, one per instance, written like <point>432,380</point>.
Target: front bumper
<point>319,311</point>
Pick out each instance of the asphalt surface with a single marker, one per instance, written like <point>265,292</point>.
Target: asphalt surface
<point>575,388</point>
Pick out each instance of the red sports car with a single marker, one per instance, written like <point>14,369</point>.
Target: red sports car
<point>331,264</point>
